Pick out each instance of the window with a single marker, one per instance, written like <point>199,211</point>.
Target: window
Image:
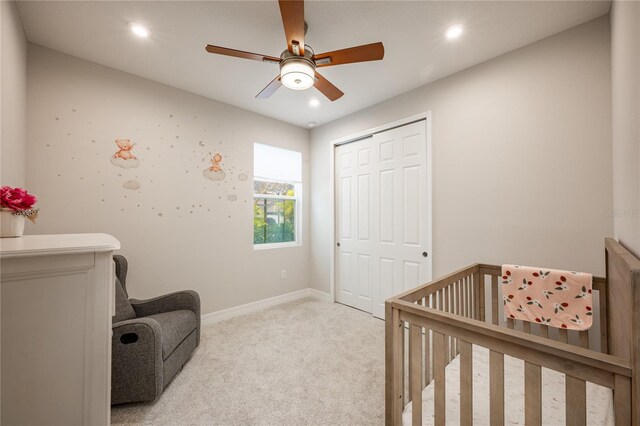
<point>277,190</point>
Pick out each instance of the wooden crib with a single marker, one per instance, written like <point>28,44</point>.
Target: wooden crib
<point>429,326</point>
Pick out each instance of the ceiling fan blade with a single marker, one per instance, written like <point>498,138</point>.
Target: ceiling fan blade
<point>241,54</point>
<point>270,89</point>
<point>292,12</point>
<point>364,53</point>
<point>327,88</point>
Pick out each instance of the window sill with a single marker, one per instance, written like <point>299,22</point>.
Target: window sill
<point>269,246</point>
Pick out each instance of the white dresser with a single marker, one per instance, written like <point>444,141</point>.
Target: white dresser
<point>56,306</point>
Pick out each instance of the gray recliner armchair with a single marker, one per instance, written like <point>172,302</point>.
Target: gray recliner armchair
<point>152,340</point>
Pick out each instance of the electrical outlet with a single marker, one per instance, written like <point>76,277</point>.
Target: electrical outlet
<point>283,274</point>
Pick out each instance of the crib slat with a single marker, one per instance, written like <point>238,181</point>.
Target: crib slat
<point>467,297</point>
<point>532,394</point>
<point>439,363</point>
<point>495,314</point>
<point>475,289</point>
<point>427,357</point>
<point>427,352</point>
<point>576,397</point>
<point>496,385</point>
<point>526,327</point>
<point>564,335</point>
<point>584,338</point>
<point>621,399</point>
<point>415,372</point>
<point>481,314</point>
<point>463,298</point>
<point>511,323</point>
<point>466,383</point>
<point>468,287</point>
<point>544,331</point>
<point>459,296</point>
<point>446,299</point>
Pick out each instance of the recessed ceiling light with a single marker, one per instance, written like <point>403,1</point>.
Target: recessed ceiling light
<point>139,29</point>
<point>311,123</point>
<point>314,102</point>
<point>454,32</point>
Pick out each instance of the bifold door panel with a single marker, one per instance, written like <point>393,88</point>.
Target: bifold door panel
<point>382,234</point>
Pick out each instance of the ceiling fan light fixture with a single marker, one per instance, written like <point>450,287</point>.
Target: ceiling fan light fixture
<point>297,74</point>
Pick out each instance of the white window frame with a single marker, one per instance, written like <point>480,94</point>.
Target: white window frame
<point>297,187</point>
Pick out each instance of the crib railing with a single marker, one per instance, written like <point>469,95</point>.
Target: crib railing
<point>428,326</point>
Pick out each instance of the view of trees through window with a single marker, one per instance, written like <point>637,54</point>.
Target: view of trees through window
<point>274,208</point>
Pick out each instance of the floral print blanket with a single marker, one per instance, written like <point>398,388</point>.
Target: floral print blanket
<point>555,298</point>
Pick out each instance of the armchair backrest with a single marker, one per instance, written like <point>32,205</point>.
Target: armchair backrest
<point>122,266</point>
<point>124,310</point>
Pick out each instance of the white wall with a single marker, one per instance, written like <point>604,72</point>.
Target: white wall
<point>522,157</point>
<point>625,79</point>
<point>179,230</point>
<point>13,96</point>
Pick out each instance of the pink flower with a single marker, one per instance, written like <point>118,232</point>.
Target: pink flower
<point>16,199</point>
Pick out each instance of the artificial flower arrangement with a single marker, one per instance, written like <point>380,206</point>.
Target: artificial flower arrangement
<point>16,205</point>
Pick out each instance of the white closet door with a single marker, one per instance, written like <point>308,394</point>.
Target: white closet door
<point>354,214</point>
<point>403,214</point>
<point>382,217</point>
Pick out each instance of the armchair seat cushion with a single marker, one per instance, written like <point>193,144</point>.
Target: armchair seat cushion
<point>175,326</point>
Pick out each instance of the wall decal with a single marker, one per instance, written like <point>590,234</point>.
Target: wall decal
<point>131,184</point>
<point>215,172</point>
<point>124,158</point>
<point>178,148</point>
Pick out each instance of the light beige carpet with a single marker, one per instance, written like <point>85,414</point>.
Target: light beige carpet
<point>301,363</point>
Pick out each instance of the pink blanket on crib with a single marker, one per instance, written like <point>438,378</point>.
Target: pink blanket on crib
<point>555,298</point>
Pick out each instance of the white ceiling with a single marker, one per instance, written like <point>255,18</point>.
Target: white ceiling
<point>416,51</point>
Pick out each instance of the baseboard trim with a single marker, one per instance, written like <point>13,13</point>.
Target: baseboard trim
<point>259,305</point>
<point>320,295</point>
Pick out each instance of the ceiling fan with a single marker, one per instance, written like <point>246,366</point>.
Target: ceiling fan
<point>298,63</point>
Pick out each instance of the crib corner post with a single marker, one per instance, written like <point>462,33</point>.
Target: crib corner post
<point>394,358</point>
<point>388,364</point>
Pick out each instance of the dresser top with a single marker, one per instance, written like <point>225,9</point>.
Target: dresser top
<point>30,245</point>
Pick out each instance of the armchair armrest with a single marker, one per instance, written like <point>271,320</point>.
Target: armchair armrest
<point>137,362</point>
<point>186,299</point>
